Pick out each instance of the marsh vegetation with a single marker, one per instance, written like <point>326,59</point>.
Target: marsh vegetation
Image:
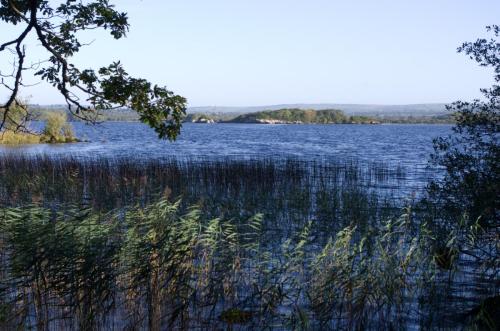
<point>245,244</point>
<point>56,129</point>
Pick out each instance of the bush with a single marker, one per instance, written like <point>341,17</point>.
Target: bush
<point>15,130</point>
<point>16,118</point>
<point>471,155</point>
<point>57,129</point>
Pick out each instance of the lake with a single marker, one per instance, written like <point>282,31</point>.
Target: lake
<point>335,181</point>
<point>393,145</point>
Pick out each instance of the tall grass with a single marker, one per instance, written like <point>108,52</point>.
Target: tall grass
<point>163,266</point>
<point>18,138</point>
<point>103,244</point>
<point>291,191</point>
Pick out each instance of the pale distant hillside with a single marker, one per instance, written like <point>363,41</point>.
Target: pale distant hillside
<point>349,109</point>
<point>417,113</point>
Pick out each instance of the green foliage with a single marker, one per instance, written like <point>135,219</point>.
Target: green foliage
<point>305,116</point>
<point>64,256</point>
<point>56,26</point>
<point>128,115</point>
<point>200,118</point>
<point>416,119</point>
<point>156,260</point>
<point>15,130</point>
<point>471,156</point>
<point>361,119</point>
<point>54,125</point>
<point>169,264</point>
<point>157,257</point>
<point>463,206</point>
<point>16,118</point>
<point>57,129</point>
<point>171,268</point>
<point>325,116</point>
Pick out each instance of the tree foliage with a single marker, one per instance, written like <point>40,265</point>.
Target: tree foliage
<point>56,27</point>
<point>470,156</point>
<point>305,116</point>
<point>57,129</point>
<point>296,115</point>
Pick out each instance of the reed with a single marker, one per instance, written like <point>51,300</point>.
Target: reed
<point>18,138</point>
<point>164,266</point>
<point>231,244</point>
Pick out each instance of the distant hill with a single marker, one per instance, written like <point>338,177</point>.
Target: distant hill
<point>350,109</point>
<point>427,109</point>
<point>417,113</point>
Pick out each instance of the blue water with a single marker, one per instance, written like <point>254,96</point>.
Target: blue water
<point>406,144</point>
<point>396,146</point>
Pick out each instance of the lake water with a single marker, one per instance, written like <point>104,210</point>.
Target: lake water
<point>407,146</point>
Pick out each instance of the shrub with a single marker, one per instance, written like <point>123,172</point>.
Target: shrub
<point>16,117</point>
<point>57,129</point>
<point>470,156</point>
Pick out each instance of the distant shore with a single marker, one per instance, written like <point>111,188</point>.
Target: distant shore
<point>277,116</point>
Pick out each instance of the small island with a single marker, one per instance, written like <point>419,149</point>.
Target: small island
<point>303,116</point>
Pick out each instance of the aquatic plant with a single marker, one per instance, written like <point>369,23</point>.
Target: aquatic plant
<point>57,263</point>
<point>329,249</point>
<point>165,265</point>
<point>18,138</point>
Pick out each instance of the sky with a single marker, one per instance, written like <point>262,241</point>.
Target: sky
<point>263,52</point>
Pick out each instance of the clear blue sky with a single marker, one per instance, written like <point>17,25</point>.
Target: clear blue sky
<point>258,52</point>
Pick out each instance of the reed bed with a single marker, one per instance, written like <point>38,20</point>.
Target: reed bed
<point>231,244</point>
<point>287,190</point>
